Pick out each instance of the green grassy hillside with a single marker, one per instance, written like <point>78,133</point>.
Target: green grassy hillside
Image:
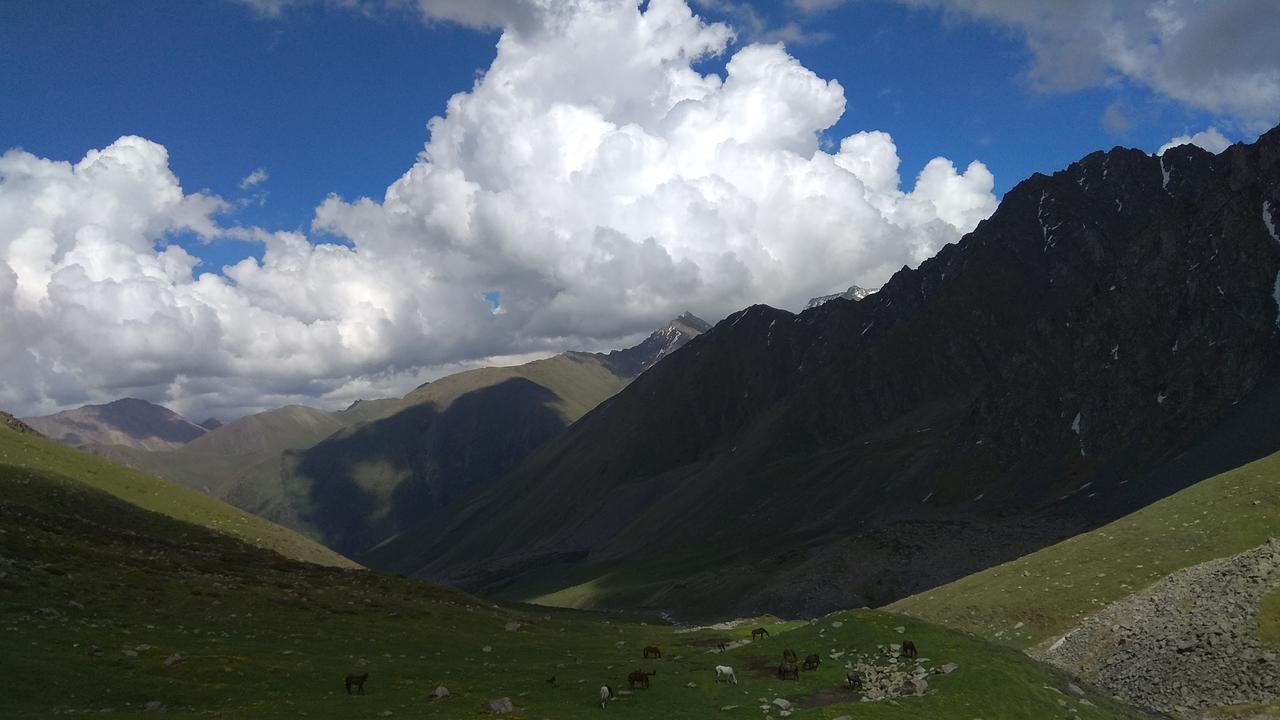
<point>335,476</point>
<point>107,608</point>
<point>27,450</point>
<point>578,380</point>
<point>1044,594</point>
<point>374,481</point>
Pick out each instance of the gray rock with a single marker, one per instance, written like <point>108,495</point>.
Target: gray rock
<point>1180,646</point>
<point>440,693</point>
<point>782,703</point>
<point>173,659</point>
<point>153,706</point>
<point>502,706</point>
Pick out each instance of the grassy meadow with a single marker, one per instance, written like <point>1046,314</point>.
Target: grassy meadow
<point>105,606</point>
<point>1040,596</point>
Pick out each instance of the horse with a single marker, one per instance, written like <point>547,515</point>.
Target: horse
<point>640,678</point>
<point>759,633</point>
<point>606,694</point>
<point>723,646</point>
<point>812,662</point>
<point>788,668</point>
<point>789,655</point>
<point>854,679</point>
<point>909,649</point>
<point>725,673</point>
<point>652,651</point>
<point>357,681</point>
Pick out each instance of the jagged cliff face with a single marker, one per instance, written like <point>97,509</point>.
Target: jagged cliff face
<point>1022,385</point>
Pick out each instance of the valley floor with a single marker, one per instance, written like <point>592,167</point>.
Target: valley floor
<point>108,608</point>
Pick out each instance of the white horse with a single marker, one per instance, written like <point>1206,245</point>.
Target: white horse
<point>606,694</point>
<point>725,673</point>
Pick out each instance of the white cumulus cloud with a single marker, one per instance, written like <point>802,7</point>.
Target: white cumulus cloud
<point>1211,139</point>
<point>592,178</point>
<point>253,179</point>
<point>1216,56</point>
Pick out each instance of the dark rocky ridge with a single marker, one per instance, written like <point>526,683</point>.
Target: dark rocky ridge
<point>1020,386</point>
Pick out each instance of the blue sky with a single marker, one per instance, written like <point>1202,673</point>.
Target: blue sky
<point>331,101</point>
<point>602,167</point>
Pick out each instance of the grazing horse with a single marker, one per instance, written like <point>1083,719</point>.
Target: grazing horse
<point>723,647</point>
<point>789,655</point>
<point>812,662</point>
<point>357,681</point>
<point>759,633</point>
<point>606,694</point>
<point>788,668</point>
<point>725,673</point>
<point>652,651</point>
<point>640,678</point>
<point>854,678</point>
<point>909,649</point>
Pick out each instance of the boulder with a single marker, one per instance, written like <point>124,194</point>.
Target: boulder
<point>502,706</point>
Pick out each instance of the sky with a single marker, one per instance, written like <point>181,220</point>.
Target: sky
<point>231,205</point>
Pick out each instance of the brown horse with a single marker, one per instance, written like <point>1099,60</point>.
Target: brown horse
<point>652,651</point>
<point>356,681</point>
<point>640,679</point>
<point>788,669</point>
<point>789,655</point>
<point>812,662</point>
<point>759,633</point>
<point>909,649</point>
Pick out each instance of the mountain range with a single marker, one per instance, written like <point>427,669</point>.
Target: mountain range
<point>128,422</point>
<point>1106,337</point>
<point>358,477</point>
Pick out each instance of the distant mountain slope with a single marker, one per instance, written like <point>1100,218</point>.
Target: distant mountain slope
<point>355,478</point>
<point>241,462</point>
<point>1016,389</point>
<point>367,485</point>
<point>21,448</point>
<point>129,422</point>
<point>273,431</point>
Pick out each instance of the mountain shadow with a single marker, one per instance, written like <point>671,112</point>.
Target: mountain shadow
<point>367,485</point>
<point>1032,381</point>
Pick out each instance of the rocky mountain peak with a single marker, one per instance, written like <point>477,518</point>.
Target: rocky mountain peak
<point>661,343</point>
<point>854,293</point>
